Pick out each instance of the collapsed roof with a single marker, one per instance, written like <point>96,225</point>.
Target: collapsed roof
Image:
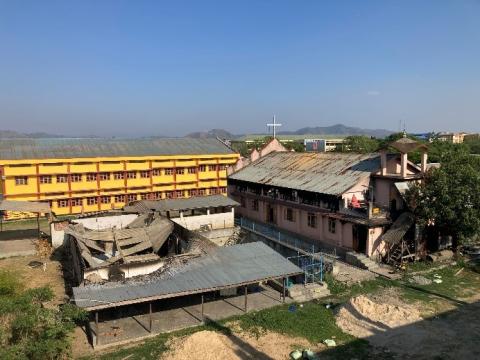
<point>138,242</point>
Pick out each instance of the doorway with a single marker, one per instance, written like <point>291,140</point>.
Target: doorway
<point>360,236</point>
<point>271,214</point>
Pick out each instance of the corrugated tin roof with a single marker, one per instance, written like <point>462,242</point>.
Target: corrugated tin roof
<point>86,148</point>
<point>399,228</point>
<point>223,267</point>
<point>25,206</point>
<point>196,202</point>
<point>326,173</point>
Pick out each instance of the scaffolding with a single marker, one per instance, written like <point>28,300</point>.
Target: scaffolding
<point>312,266</point>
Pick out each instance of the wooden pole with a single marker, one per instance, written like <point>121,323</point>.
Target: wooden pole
<point>203,319</point>
<point>38,225</point>
<point>283,291</point>
<point>246,298</point>
<point>97,334</point>
<point>150,316</point>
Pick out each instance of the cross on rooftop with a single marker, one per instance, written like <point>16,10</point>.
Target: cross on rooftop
<point>274,125</point>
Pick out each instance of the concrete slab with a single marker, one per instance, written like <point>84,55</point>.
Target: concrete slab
<point>178,314</point>
<point>21,247</point>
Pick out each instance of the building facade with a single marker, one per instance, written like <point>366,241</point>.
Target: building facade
<point>340,200</point>
<point>95,175</point>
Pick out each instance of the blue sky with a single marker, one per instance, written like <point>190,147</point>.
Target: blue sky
<point>134,68</point>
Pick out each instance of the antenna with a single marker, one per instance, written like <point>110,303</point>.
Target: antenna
<point>274,126</point>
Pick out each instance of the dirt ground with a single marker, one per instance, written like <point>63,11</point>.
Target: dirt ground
<point>388,323</point>
<point>49,273</point>
<point>238,346</point>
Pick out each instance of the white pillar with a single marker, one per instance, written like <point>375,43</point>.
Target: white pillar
<point>424,161</point>
<point>383,162</point>
<point>403,164</point>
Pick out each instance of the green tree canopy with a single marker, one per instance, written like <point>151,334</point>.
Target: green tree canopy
<point>359,144</point>
<point>449,197</point>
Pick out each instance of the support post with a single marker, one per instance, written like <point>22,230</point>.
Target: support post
<point>283,290</point>
<point>38,225</point>
<point>150,316</point>
<point>246,298</point>
<point>203,318</point>
<point>97,334</point>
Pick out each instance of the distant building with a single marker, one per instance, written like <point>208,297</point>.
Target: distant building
<point>340,200</point>
<point>455,138</point>
<point>97,175</point>
<point>322,145</point>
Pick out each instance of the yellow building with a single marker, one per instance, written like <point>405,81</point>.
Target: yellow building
<point>79,176</point>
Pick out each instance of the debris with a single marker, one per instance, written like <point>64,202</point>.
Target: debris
<point>292,308</point>
<point>309,354</point>
<point>459,272</point>
<point>35,264</point>
<point>437,281</point>
<point>296,355</point>
<point>330,342</point>
<point>420,280</point>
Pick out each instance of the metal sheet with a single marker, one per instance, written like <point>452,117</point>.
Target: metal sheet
<point>227,266</point>
<point>325,173</point>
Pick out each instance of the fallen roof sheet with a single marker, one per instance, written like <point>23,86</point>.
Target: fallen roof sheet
<point>196,202</point>
<point>25,206</point>
<point>325,173</point>
<point>225,267</point>
<point>22,149</point>
<point>399,228</point>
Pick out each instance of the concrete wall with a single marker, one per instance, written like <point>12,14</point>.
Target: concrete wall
<point>213,221</point>
<point>130,270</point>
<point>94,223</point>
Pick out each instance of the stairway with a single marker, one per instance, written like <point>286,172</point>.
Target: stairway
<point>302,293</point>
<point>361,261</point>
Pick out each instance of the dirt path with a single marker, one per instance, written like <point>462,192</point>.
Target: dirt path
<point>388,323</point>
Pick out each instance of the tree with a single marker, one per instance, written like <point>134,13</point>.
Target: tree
<point>359,144</point>
<point>449,197</point>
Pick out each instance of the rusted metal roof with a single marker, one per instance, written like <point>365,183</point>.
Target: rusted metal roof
<point>325,173</point>
<point>20,149</point>
<point>192,203</point>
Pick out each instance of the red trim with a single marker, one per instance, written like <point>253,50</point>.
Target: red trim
<point>174,175</point>
<point>218,172</point>
<point>125,178</point>
<point>69,181</point>
<point>37,171</point>
<point>4,189</point>
<point>151,175</point>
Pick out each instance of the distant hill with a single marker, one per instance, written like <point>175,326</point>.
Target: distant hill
<point>338,129</point>
<point>9,134</point>
<point>214,133</point>
<point>334,130</point>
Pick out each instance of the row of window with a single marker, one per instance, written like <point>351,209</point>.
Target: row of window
<point>94,200</point>
<point>107,162</point>
<point>289,215</point>
<point>102,176</point>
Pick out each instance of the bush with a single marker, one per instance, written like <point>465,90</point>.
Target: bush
<point>29,330</point>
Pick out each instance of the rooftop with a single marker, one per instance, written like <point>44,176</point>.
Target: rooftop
<point>223,267</point>
<point>192,203</point>
<point>19,149</point>
<point>326,173</point>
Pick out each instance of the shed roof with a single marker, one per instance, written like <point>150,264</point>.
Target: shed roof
<point>196,202</point>
<point>25,206</point>
<point>399,228</point>
<point>326,173</point>
<point>19,149</point>
<point>224,267</point>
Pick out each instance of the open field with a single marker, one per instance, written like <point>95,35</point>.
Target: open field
<point>450,307</point>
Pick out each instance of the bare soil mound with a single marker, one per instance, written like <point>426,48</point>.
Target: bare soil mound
<point>362,317</point>
<point>212,345</point>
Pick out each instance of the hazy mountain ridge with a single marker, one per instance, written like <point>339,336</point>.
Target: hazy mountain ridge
<point>10,134</point>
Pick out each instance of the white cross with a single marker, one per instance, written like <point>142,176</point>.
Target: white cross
<point>274,126</point>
